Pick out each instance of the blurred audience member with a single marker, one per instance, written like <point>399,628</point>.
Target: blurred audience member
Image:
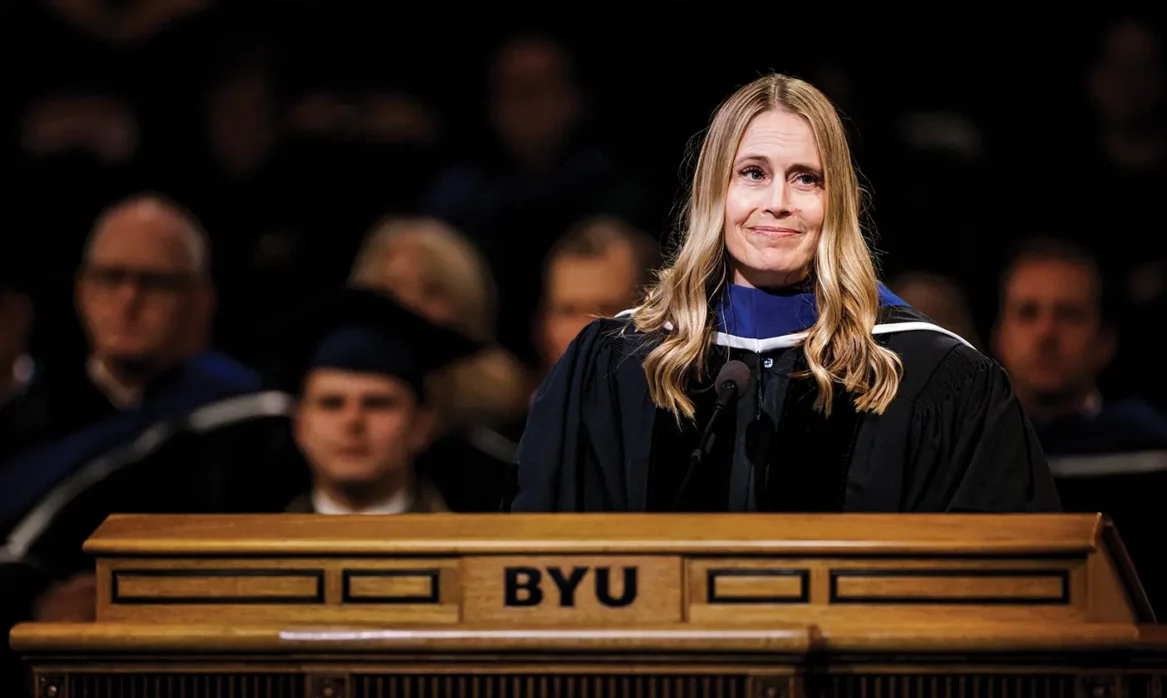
<point>432,269</point>
<point>535,101</point>
<point>100,126</point>
<point>361,362</point>
<point>1052,333</point>
<point>126,22</point>
<point>941,299</point>
<point>357,146</point>
<point>543,171</point>
<point>145,301</point>
<point>239,187</point>
<point>1123,141</point>
<point>148,422</point>
<point>597,269</point>
<point>241,113</point>
<point>1054,337</point>
<point>1126,89</point>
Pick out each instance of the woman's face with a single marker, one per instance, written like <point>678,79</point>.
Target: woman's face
<point>775,203</point>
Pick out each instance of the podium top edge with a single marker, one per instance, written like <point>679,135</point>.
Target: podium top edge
<point>794,639</point>
<point>422,534</point>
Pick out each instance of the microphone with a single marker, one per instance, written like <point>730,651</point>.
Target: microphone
<point>732,381</point>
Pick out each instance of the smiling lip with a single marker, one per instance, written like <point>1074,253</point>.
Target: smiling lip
<point>773,231</point>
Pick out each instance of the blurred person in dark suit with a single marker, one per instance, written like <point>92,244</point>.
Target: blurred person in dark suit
<point>154,421</point>
<point>1055,336</point>
<point>145,301</point>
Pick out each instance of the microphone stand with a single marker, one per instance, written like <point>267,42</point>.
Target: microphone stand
<point>729,391</point>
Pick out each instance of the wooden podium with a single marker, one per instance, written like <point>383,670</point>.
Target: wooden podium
<point>497,606</point>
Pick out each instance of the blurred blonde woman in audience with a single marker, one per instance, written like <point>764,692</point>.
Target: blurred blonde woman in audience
<point>435,270</point>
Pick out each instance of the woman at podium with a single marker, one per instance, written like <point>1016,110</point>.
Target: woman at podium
<point>767,369</point>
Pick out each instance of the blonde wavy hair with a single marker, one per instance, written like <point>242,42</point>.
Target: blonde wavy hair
<point>491,387</point>
<point>452,266</point>
<point>840,349</point>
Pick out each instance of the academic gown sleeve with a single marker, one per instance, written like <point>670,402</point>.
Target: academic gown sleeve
<point>974,448</point>
<point>572,453</point>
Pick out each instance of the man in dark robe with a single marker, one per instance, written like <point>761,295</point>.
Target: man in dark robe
<point>359,362</point>
<point>953,439</point>
<point>146,302</point>
<point>168,426</point>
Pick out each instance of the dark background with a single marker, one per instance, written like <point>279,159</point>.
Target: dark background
<point>971,127</point>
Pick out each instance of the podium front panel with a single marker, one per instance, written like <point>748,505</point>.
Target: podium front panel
<point>606,605</point>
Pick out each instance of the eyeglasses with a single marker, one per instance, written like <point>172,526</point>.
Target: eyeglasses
<point>107,278</point>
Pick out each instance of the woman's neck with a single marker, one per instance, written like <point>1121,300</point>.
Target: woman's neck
<point>774,282</point>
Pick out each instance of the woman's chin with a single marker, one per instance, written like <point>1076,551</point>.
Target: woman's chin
<point>769,275</point>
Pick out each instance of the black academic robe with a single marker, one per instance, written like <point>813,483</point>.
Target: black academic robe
<point>228,459</point>
<point>954,439</point>
<point>231,466</point>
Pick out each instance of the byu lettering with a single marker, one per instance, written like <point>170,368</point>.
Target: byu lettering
<point>524,586</point>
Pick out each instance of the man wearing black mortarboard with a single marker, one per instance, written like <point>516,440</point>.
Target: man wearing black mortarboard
<point>358,362</point>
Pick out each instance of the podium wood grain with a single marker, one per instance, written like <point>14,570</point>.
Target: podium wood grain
<point>605,605</point>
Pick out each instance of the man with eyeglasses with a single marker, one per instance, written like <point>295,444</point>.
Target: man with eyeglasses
<point>159,422</point>
<point>144,296</point>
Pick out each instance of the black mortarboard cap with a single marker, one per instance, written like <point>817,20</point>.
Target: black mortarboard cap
<point>365,331</point>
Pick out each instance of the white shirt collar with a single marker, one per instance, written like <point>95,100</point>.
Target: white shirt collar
<point>120,396</point>
<point>399,503</point>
